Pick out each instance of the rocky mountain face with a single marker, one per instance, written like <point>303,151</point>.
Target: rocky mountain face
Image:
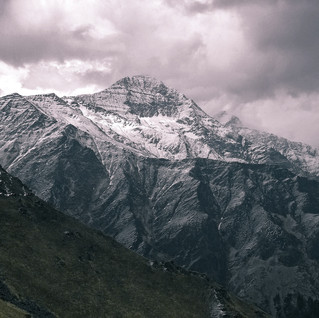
<point>146,165</point>
<point>53,266</point>
<point>302,157</point>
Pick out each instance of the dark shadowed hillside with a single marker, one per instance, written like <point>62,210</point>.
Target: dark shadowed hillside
<point>53,266</point>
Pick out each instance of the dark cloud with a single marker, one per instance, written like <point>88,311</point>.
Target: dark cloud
<point>4,7</point>
<point>287,35</point>
<point>198,7</point>
<point>101,78</point>
<point>27,41</point>
<point>191,7</point>
<point>19,47</point>
<point>282,47</point>
<point>281,50</point>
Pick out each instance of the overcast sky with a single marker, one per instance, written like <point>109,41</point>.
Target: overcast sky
<point>256,59</point>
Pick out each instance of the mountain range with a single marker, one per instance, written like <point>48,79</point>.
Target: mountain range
<point>144,164</point>
<point>53,266</point>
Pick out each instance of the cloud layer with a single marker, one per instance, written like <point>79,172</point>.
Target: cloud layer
<point>255,59</point>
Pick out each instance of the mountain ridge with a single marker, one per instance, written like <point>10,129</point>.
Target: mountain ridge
<point>190,134</point>
<point>181,187</point>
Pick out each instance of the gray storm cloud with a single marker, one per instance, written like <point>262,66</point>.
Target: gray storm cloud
<point>256,59</point>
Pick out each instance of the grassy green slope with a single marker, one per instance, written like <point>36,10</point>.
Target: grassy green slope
<point>77,272</point>
<point>8,310</point>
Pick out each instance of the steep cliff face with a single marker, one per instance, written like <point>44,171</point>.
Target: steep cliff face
<point>253,228</point>
<point>145,165</point>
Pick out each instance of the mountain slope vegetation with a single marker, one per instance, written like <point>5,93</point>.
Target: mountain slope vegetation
<point>53,266</point>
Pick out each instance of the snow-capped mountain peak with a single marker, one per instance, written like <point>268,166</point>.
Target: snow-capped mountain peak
<point>142,83</point>
<point>142,115</point>
<point>143,96</point>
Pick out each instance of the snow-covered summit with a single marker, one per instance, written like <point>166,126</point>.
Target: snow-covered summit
<point>142,83</point>
<point>143,113</point>
<point>143,96</point>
